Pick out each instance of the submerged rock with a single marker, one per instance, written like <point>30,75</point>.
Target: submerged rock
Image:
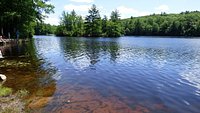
<point>39,102</point>
<point>2,77</point>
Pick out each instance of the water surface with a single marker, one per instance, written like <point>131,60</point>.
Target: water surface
<point>127,74</point>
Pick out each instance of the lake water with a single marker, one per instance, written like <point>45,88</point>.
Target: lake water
<point>111,75</point>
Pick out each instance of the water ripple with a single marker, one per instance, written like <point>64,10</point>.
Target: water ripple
<point>150,70</point>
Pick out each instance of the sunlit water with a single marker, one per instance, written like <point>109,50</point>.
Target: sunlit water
<point>127,74</point>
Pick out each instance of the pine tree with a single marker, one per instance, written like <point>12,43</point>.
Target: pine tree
<point>93,23</point>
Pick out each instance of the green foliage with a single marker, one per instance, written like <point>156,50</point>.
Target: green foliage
<point>93,23</point>
<point>25,16</point>
<point>93,26</point>
<point>61,31</point>
<point>115,16</point>
<point>44,29</point>
<point>183,24</point>
<point>113,29</point>
<point>71,25</point>
<point>104,24</point>
<point>20,15</point>
<point>4,91</point>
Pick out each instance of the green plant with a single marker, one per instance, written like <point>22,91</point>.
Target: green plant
<point>4,91</point>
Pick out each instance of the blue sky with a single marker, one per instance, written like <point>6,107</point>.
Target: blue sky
<point>127,8</point>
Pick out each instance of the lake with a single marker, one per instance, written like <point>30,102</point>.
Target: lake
<point>112,75</point>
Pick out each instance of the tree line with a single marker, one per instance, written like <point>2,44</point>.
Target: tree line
<point>20,16</point>
<point>42,28</point>
<point>25,17</point>
<point>183,24</point>
<point>93,25</point>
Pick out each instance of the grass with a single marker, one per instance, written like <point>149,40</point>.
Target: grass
<point>4,91</point>
<point>22,93</point>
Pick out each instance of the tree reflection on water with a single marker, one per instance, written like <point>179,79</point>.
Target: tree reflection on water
<point>89,50</point>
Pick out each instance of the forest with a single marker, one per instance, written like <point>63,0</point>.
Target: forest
<point>27,18</point>
<point>183,24</point>
<point>21,16</point>
<point>42,28</point>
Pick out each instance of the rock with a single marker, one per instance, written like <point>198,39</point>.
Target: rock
<point>39,102</point>
<point>2,77</point>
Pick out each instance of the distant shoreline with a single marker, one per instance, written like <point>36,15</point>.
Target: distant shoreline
<point>151,36</point>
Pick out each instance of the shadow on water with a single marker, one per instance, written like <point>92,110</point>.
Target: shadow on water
<point>23,68</point>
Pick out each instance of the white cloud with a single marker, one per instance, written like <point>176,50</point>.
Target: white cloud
<point>83,1</point>
<point>52,20</point>
<point>81,8</point>
<point>127,12</point>
<point>162,8</point>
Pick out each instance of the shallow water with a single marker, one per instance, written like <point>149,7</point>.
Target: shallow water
<point>127,74</point>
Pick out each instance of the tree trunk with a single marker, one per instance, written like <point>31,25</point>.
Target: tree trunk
<point>2,31</point>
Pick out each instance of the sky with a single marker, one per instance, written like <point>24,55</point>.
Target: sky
<point>126,8</point>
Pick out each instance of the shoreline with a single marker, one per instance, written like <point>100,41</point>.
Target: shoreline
<point>152,36</point>
<point>13,103</point>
